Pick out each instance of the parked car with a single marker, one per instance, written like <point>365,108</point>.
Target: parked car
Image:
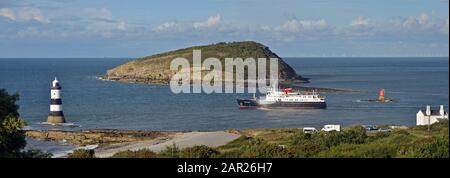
<point>309,130</point>
<point>370,127</point>
<point>331,127</point>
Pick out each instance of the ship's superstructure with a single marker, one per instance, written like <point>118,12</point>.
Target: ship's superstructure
<point>286,98</point>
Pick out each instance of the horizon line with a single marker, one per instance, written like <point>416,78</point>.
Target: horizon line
<point>281,57</point>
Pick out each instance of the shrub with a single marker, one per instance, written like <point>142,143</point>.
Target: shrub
<point>230,154</point>
<point>401,132</point>
<point>371,150</point>
<point>377,136</point>
<point>354,134</point>
<point>257,148</point>
<point>35,154</point>
<point>201,151</point>
<point>329,139</point>
<point>300,137</point>
<point>438,148</point>
<point>305,150</point>
<point>242,140</point>
<point>82,153</point>
<point>170,152</point>
<point>143,153</point>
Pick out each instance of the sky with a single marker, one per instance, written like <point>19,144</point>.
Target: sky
<point>290,28</point>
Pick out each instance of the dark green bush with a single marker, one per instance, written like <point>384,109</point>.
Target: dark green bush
<point>82,153</point>
<point>12,138</point>
<point>355,134</point>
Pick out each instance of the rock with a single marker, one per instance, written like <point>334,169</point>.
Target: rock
<point>97,136</point>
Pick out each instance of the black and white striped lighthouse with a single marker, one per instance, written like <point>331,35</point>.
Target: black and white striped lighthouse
<point>56,114</point>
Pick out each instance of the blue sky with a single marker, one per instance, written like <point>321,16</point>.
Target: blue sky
<point>339,28</point>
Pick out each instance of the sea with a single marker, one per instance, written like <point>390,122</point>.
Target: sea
<point>91,103</point>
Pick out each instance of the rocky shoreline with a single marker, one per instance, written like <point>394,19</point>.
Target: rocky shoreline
<point>98,136</point>
<point>136,80</point>
<point>166,82</point>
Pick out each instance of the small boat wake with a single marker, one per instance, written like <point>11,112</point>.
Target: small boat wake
<point>60,124</point>
<point>381,99</point>
<point>376,101</point>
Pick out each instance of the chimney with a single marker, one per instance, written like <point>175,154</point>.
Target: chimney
<point>441,110</point>
<point>428,111</point>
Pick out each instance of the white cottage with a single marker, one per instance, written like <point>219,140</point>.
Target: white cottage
<point>430,116</point>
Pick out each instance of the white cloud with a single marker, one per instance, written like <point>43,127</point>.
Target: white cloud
<point>360,22</point>
<point>422,21</point>
<point>168,26</point>
<point>299,25</point>
<point>173,26</point>
<point>8,13</point>
<point>101,21</point>
<point>121,25</point>
<point>417,27</point>
<point>211,22</point>
<point>24,14</point>
<point>30,13</point>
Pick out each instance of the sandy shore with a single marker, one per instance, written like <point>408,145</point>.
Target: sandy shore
<point>182,140</point>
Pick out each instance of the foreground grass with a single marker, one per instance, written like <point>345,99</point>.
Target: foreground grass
<point>352,142</point>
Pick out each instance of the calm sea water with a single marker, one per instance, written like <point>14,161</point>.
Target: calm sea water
<point>92,103</point>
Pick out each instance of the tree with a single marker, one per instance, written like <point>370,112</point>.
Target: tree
<point>12,138</point>
<point>8,104</point>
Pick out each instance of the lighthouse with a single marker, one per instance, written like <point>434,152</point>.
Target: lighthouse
<point>56,114</point>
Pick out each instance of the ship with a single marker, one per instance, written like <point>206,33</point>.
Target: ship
<point>285,98</point>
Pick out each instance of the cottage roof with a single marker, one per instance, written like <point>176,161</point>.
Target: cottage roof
<point>433,112</point>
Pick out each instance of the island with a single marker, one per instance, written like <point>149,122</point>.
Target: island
<point>155,69</point>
